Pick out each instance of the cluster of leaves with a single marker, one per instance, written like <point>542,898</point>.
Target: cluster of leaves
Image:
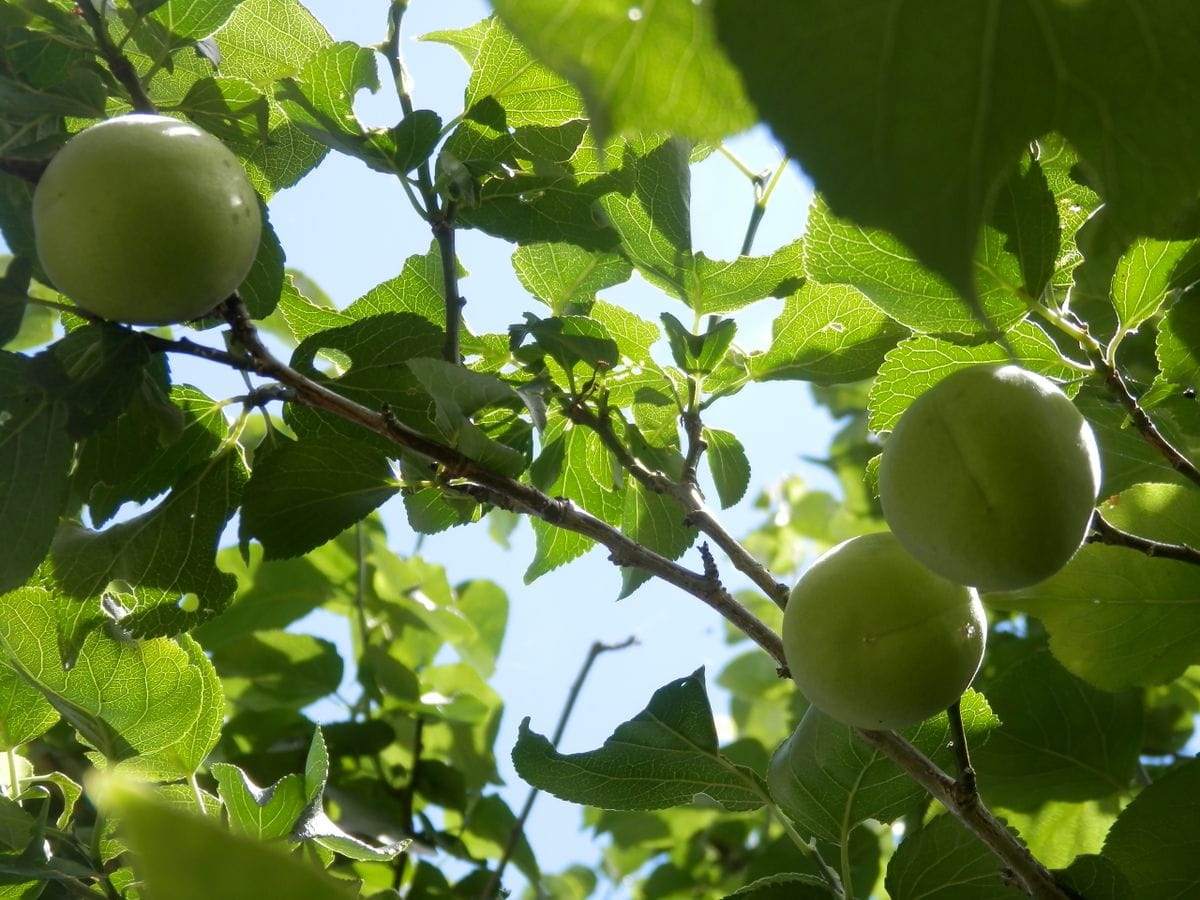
<point>1040,207</point>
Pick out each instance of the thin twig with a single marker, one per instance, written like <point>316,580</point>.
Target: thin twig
<point>693,429</point>
<point>1037,881</point>
<point>189,347</point>
<point>762,196</point>
<point>439,216</point>
<point>518,828</point>
<point>121,67</point>
<point>1104,532</point>
<point>443,232</point>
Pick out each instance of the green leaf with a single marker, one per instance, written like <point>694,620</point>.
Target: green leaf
<point>262,42</point>
<point>484,604</point>
<point>846,90</point>
<point>574,463</point>
<point>270,669</point>
<point>1060,738</point>
<point>1116,617</point>
<point>893,277</point>
<point>655,521</point>
<point>304,493</point>
<point>190,20</point>
<point>151,693</point>
<point>17,827</point>
<point>783,887</point>
<point>472,620</point>
<point>826,334</point>
<point>919,362</point>
<point>320,101</point>
<point>262,287</point>
<point>665,756</point>
<point>828,781</point>
<point>529,200</point>
<point>35,457</point>
<point>634,336</point>
<point>504,70</point>
<point>316,767</point>
<point>262,813</point>
<point>1178,338</point>
<point>151,706</point>
<point>184,756</point>
<point>416,291</point>
<point>233,110</point>
<point>432,510</point>
<point>699,354</point>
<point>659,70</point>
<point>105,366</point>
<point>722,287</point>
<point>728,464</point>
<point>183,856</point>
<point>272,595</point>
<point>1143,277</point>
<point>652,212</point>
<point>573,339</point>
<point>945,861</point>
<point>74,90</point>
<point>567,277</point>
<point>24,713</point>
<point>149,447</point>
<point>1057,831</point>
<point>462,398</point>
<point>1152,843</point>
<point>415,138</point>
<point>485,831</point>
<point>14,303</point>
<point>1097,878</point>
<point>70,790</point>
<point>378,347</point>
<point>160,556</point>
<point>265,40</point>
<point>1026,211</point>
<point>323,831</point>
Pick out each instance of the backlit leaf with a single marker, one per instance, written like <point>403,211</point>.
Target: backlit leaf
<point>665,756</point>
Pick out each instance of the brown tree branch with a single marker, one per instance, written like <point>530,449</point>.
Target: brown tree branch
<point>1104,532</point>
<point>1145,426</point>
<point>497,489</point>
<point>1038,881</point>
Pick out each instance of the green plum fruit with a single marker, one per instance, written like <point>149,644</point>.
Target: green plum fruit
<point>990,478</point>
<point>146,219</point>
<point>876,640</point>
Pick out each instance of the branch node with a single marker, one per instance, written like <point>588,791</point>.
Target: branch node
<point>710,566</point>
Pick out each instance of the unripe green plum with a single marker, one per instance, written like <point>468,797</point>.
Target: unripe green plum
<point>876,640</point>
<point>990,478</point>
<point>146,219</point>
